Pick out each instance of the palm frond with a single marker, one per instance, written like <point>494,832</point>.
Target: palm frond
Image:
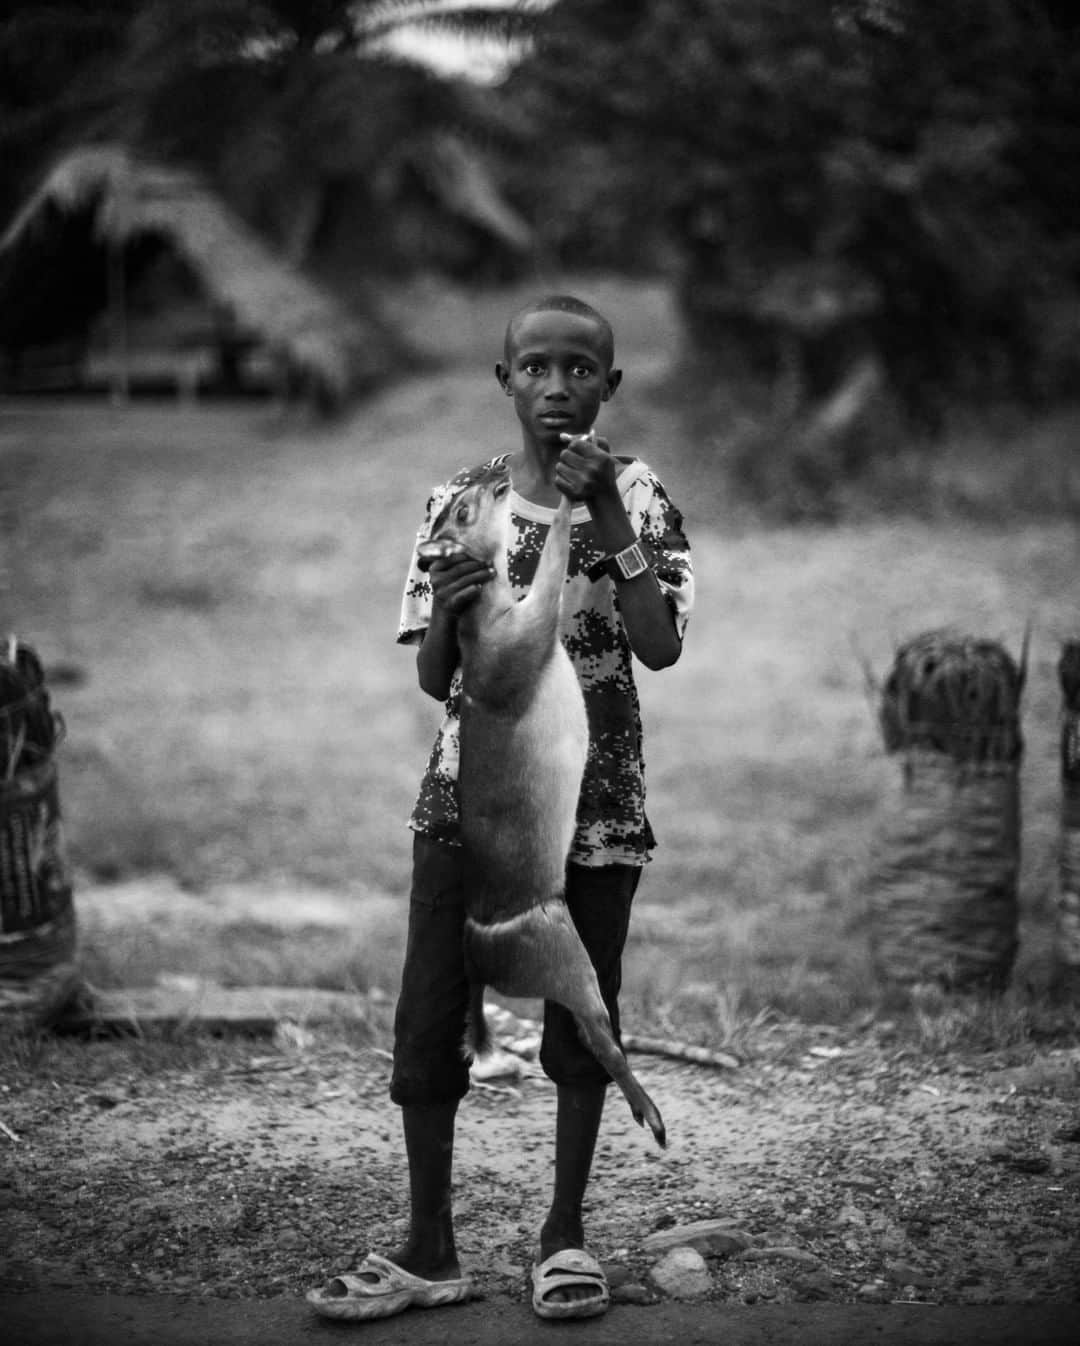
<point>508,23</point>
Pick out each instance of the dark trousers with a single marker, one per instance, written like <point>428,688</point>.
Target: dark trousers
<point>429,1026</point>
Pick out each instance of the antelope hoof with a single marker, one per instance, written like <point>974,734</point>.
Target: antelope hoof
<point>659,1130</point>
<point>656,1126</point>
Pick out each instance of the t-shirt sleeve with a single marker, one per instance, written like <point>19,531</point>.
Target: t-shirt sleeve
<point>416,601</point>
<point>659,525</point>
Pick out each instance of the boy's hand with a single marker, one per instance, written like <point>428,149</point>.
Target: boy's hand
<point>585,468</point>
<point>456,581</point>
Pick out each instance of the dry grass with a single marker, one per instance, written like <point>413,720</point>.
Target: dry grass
<point>943,1023</point>
<point>230,584</point>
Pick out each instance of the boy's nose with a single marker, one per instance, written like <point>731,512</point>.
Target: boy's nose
<point>556,387</point>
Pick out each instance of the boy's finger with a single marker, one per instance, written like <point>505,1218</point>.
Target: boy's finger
<point>582,462</point>
<point>569,483</point>
<point>474,574</point>
<point>583,469</point>
<point>453,567</point>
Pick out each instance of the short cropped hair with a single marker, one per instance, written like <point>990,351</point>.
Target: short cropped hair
<point>564,303</point>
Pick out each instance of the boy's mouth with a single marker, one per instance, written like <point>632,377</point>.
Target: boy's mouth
<point>555,418</point>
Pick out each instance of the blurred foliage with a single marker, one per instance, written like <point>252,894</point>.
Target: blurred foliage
<point>868,207</point>
<point>326,131</point>
<point>57,75</point>
<point>307,124</point>
<point>827,178</point>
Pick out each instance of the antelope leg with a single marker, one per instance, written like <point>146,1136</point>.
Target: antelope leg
<point>539,954</point>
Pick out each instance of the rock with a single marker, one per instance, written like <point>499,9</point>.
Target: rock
<point>810,1285</point>
<point>903,1273</point>
<point>1031,1162</point>
<point>873,1292</point>
<point>714,1237</point>
<point>631,1292</point>
<point>617,1273</point>
<point>682,1274</point>
<point>799,1256</point>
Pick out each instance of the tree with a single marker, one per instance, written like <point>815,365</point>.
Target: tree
<point>56,66</point>
<point>281,103</point>
<point>903,164</point>
<point>285,101</point>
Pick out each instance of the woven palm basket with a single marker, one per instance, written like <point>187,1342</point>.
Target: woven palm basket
<point>37,915</point>
<point>1068,897</point>
<point>943,883</point>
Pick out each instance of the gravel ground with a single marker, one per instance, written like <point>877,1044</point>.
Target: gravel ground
<point>852,1167</point>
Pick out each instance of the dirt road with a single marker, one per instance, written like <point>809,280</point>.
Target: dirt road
<point>860,1178</point>
<point>71,1319</point>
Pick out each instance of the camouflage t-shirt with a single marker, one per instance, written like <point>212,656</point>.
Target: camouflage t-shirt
<point>611,825</point>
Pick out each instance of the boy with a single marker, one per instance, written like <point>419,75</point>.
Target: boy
<point>629,590</point>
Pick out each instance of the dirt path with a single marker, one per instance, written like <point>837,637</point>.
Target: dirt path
<point>72,1319</point>
<point>860,1172</point>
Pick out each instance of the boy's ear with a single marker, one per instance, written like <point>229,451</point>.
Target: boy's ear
<point>612,381</point>
<point>503,375</point>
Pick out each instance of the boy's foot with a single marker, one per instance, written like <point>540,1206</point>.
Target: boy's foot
<point>569,1283</point>
<point>429,1260</point>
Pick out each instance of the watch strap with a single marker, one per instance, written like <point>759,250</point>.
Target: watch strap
<point>621,565</point>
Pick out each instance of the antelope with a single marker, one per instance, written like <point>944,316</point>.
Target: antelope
<point>524,739</point>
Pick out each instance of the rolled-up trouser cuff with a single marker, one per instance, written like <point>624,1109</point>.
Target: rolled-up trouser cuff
<point>599,901</point>
<point>429,1026</point>
<point>429,1023</point>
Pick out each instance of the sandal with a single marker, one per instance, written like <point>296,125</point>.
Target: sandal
<point>572,1266</point>
<point>392,1291</point>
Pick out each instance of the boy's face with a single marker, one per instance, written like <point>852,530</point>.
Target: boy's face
<point>557,368</point>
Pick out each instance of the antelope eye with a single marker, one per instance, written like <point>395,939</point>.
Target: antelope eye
<point>462,514</point>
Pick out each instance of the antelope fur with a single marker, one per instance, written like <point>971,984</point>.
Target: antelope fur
<point>524,740</point>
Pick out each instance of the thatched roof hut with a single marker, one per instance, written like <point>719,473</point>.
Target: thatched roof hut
<point>56,274</point>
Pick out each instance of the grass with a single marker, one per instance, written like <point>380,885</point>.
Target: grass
<point>228,581</point>
<point>944,1023</point>
<point>243,953</point>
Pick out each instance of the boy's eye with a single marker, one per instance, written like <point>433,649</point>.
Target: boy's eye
<point>534,367</point>
<point>582,371</point>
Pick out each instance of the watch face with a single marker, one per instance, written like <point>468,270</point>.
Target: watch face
<point>630,562</point>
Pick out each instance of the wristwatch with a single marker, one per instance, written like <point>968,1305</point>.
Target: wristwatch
<point>622,565</point>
